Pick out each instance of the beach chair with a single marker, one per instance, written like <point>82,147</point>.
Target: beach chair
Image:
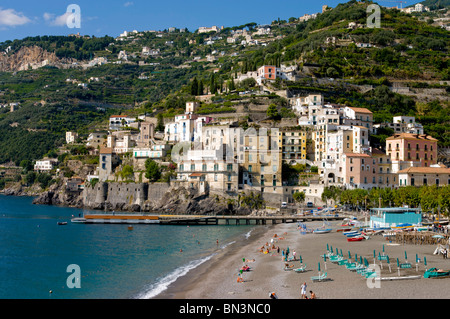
<point>288,267</point>
<point>355,267</point>
<point>343,262</point>
<point>320,277</point>
<point>337,259</point>
<point>302,268</point>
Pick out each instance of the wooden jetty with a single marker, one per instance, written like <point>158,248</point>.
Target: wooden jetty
<point>239,220</point>
<point>130,218</point>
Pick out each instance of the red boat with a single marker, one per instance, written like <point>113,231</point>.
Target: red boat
<point>356,238</point>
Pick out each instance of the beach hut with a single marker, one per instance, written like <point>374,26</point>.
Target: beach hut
<point>394,217</point>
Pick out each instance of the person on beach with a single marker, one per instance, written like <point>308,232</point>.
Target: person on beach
<point>303,291</point>
<point>312,295</point>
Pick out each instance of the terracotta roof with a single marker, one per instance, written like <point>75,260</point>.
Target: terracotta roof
<point>357,155</point>
<point>196,175</point>
<point>106,150</point>
<point>426,170</point>
<point>411,136</point>
<point>118,116</point>
<point>360,110</point>
<point>377,152</point>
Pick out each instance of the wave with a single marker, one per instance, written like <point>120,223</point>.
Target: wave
<point>162,284</point>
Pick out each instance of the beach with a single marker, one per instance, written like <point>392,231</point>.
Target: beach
<point>217,279</point>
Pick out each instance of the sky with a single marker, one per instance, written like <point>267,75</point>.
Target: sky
<point>19,19</point>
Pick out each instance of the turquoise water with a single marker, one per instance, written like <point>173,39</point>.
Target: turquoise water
<point>113,262</point>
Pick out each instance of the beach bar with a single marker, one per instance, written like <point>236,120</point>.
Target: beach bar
<point>394,217</point>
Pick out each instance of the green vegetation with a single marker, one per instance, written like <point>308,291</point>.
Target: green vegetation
<point>427,197</point>
<point>52,100</point>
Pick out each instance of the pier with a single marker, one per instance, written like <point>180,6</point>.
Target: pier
<point>129,218</point>
<point>239,220</point>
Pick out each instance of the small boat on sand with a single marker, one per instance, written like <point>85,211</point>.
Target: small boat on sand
<point>62,223</point>
<point>355,238</point>
<point>322,230</point>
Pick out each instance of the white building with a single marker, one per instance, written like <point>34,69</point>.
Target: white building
<point>71,137</point>
<point>45,165</point>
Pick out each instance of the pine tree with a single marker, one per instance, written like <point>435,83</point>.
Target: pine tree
<point>194,87</point>
<point>200,88</point>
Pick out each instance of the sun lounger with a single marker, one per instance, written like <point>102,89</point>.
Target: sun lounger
<point>320,277</point>
<point>355,267</point>
<point>288,267</point>
<point>300,269</point>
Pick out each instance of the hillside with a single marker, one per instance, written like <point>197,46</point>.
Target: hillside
<point>63,83</point>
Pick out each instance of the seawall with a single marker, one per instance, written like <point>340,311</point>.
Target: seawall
<point>123,196</point>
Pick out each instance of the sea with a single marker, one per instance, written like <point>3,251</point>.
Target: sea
<point>40,259</point>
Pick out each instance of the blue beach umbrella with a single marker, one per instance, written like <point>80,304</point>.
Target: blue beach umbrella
<point>387,259</point>
<point>425,261</point>
<point>374,255</point>
<point>337,252</point>
<point>383,248</point>
<point>319,266</point>
<point>417,258</point>
<point>406,257</point>
<point>341,253</point>
<point>349,255</point>
<point>301,260</point>
<point>360,260</point>
<point>398,263</point>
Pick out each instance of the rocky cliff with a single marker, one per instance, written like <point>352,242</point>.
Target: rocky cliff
<point>28,57</point>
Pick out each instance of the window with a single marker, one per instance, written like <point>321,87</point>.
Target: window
<point>412,181</point>
<point>204,167</point>
<point>425,181</point>
<point>192,167</point>
<point>229,167</point>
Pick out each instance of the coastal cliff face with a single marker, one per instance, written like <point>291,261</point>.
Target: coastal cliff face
<point>27,57</point>
<point>154,198</point>
<point>158,198</point>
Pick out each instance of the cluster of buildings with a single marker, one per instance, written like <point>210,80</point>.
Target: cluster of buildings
<point>219,156</point>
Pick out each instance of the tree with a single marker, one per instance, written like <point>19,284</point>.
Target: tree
<point>194,87</point>
<point>299,197</point>
<point>200,88</point>
<point>152,170</point>
<point>272,112</point>
<point>127,172</point>
<point>160,123</point>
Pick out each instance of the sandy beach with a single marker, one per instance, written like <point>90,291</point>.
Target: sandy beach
<point>217,279</point>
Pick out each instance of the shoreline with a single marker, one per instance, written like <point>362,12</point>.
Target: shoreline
<point>217,279</point>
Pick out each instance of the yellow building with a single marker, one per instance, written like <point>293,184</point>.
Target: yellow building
<point>292,142</point>
<point>261,167</point>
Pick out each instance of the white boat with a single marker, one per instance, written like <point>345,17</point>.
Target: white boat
<point>322,231</point>
<point>350,232</point>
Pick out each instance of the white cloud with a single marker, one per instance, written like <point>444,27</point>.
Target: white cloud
<point>127,4</point>
<point>10,17</point>
<point>57,21</point>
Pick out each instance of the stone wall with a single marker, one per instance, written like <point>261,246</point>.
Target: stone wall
<point>123,196</point>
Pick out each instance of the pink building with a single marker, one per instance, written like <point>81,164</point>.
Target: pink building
<point>406,150</point>
<point>360,171</point>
